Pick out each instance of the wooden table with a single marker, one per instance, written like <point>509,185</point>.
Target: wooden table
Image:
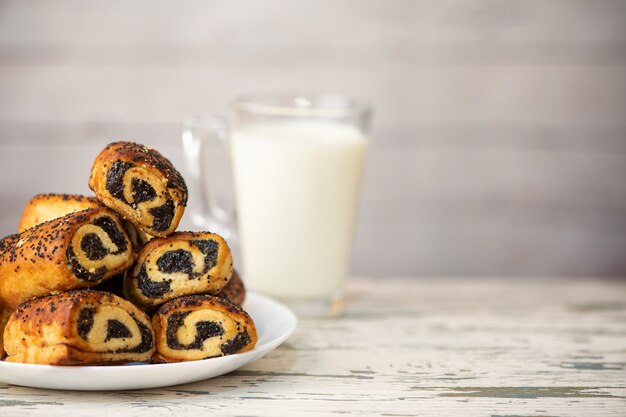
<point>468,347</point>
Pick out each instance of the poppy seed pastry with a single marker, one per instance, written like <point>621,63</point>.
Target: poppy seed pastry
<point>235,290</point>
<point>199,327</point>
<point>74,251</point>
<point>141,185</point>
<point>45,207</point>
<point>183,263</point>
<point>78,327</point>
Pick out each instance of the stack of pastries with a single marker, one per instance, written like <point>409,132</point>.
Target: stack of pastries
<point>108,279</point>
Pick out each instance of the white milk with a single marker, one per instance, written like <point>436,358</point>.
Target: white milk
<point>297,186</point>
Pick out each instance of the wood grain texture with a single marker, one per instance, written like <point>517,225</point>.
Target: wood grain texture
<point>408,347</point>
<point>499,130</point>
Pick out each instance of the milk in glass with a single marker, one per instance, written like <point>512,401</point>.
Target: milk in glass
<point>297,185</point>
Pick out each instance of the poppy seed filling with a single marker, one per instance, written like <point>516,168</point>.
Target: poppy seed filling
<point>175,261</point>
<point>115,234</point>
<point>115,179</point>
<point>142,192</point>
<point>163,215</point>
<point>85,322</point>
<point>237,343</point>
<point>204,330</point>
<point>152,289</point>
<point>93,248</point>
<point>178,260</point>
<point>80,271</point>
<point>116,330</point>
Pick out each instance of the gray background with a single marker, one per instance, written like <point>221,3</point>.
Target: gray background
<point>500,134</point>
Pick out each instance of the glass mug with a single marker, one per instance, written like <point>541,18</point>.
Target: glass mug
<point>297,168</point>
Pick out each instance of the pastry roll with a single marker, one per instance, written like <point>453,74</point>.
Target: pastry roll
<point>141,185</point>
<point>44,207</point>
<point>183,263</point>
<point>201,326</point>
<point>234,291</point>
<point>75,251</point>
<point>79,327</point>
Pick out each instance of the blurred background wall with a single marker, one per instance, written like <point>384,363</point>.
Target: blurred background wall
<point>500,133</point>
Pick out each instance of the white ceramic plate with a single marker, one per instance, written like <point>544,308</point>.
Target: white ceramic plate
<point>274,323</point>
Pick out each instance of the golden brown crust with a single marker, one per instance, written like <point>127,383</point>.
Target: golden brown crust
<point>55,330</point>
<point>8,241</point>
<point>140,184</point>
<point>199,327</point>
<point>5,312</point>
<point>183,263</point>
<point>235,290</point>
<point>49,257</point>
<point>44,207</point>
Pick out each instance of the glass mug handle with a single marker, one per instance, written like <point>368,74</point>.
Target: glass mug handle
<point>205,208</point>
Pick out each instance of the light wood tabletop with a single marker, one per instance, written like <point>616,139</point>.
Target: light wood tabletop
<point>409,347</point>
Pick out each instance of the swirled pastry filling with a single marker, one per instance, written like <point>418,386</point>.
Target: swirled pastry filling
<point>201,327</point>
<point>112,329</point>
<point>98,249</point>
<point>194,330</point>
<point>177,269</point>
<point>143,191</point>
<point>183,263</point>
